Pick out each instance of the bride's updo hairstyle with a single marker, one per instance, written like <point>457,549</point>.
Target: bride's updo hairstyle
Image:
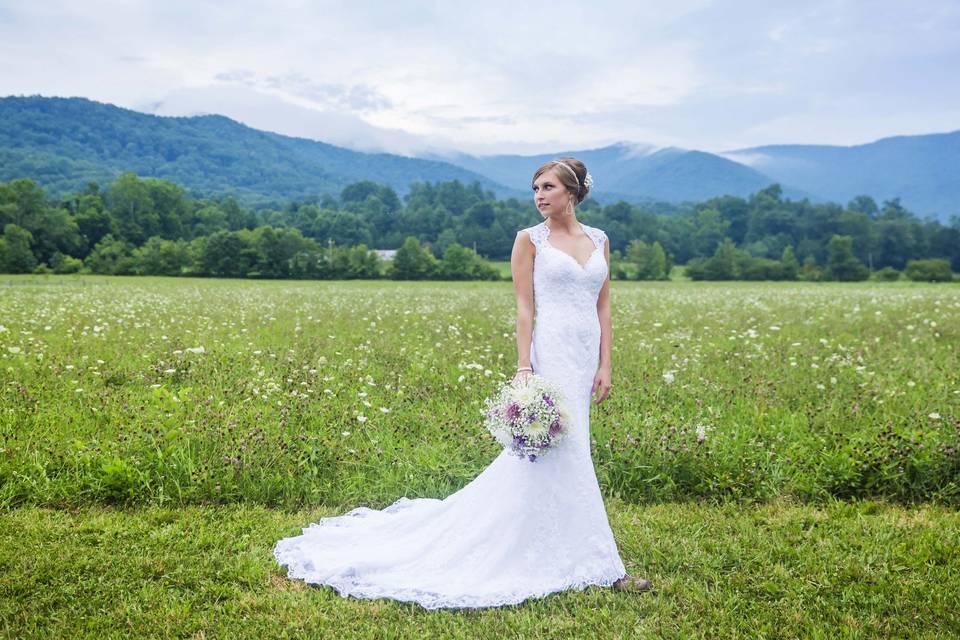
<point>572,174</point>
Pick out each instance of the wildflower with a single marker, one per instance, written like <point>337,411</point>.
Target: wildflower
<point>13,349</point>
<point>934,416</point>
<point>668,377</point>
<point>384,410</point>
<point>361,418</point>
<point>701,433</point>
<point>196,350</point>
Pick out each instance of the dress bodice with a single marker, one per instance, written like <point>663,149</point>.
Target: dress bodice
<point>560,283</point>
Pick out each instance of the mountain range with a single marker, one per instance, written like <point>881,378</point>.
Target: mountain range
<point>63,143</point>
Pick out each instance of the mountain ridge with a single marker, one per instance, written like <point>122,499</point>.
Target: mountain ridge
<point>63,143</point>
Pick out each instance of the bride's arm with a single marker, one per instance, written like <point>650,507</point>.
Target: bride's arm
<point>521,268</point>
<point>603,312</point>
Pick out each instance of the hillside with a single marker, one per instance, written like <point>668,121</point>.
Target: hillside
<point>63,143</point>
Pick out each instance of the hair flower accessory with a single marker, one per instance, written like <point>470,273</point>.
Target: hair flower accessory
<point>588,181</point>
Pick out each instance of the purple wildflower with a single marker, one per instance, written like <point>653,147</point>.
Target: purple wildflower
<point>555,428</point>
<point>513,412</point>
<point>548,400</point>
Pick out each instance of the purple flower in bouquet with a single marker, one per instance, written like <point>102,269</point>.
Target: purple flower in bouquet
<point>513,412</point>
<point>548,400</point>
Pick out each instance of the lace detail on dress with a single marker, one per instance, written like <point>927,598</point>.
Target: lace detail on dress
<point>519,530</point>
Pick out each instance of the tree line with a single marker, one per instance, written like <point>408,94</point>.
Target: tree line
<point>151,226</point>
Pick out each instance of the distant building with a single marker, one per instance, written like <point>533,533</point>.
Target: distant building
<point>386,254</point>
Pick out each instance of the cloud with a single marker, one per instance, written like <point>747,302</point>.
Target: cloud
<point>260,110</point>
<point>506,76</point>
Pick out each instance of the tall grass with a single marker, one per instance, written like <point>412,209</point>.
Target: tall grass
<point>155,391</point>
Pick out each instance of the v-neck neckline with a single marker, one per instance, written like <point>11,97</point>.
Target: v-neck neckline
<point>583,267</point>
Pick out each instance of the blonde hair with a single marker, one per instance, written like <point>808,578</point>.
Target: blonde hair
<point>571,173</point>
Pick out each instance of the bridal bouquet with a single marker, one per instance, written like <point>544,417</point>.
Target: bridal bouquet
<point>527,416</point>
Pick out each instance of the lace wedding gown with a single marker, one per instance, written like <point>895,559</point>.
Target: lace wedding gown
<point>520,529</point>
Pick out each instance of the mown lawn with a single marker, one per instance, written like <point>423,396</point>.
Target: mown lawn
<point>777,570</point>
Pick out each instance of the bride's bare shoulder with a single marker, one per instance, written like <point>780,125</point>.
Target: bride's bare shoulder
<point>524,243</point>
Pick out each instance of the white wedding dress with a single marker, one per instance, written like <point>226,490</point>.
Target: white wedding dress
<point>520,529</point>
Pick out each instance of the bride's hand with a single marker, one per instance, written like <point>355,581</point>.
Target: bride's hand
<point>521,375</point>
<point>601,385</point>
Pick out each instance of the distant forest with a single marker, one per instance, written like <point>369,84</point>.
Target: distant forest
<point>151,226</point>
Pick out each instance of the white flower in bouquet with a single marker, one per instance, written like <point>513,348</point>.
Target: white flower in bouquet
<point>523,396</point>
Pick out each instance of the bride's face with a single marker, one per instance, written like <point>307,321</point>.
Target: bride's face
<point>550,195</point>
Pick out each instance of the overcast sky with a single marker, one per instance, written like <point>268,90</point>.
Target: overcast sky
<point>492,77</point>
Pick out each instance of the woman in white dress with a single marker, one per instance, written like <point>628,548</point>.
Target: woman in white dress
<point>520,529</point>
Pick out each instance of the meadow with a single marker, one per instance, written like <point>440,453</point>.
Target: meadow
<point>781,459</point>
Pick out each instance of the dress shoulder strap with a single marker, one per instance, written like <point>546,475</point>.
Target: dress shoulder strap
<point>597,235</point>
<point>538,233</point>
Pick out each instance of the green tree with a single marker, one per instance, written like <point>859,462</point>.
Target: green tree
<point>161,257</point>
<point>710,231</point>
<point>15,253</point>
<point>110,256</point>
<point>649,261</point>
<point>789,264</point>
<point>132,209</point>
<point>226,255</point>
<point>841,263</point>
<point>887,274</point>
<point>93,221</point>
<point>723,264</point>
<point>460,263</point>
<point>413,262</point>
<point>811,271</point>
<point>929,270</point>
<point>65,264</point>
<point>21,203</point>
<point>362,263</point>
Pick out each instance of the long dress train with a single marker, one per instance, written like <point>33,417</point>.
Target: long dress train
<point>518,530</point>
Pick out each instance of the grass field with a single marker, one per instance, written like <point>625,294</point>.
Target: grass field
<point>781,459</point>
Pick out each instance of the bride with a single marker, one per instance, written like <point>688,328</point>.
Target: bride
<point>520,529</point>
